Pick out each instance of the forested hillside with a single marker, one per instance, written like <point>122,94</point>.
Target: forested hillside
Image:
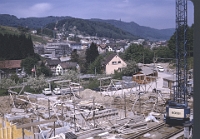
<point>142,31</point>
<point>92,28</point>
<point>31,22</point>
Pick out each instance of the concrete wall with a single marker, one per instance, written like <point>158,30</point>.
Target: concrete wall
<point>114,64</point>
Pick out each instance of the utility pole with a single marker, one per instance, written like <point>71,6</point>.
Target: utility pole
<point>143,57</point>
<point>35,71</point>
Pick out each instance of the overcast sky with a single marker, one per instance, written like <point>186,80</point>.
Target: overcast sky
<point>158,14</point>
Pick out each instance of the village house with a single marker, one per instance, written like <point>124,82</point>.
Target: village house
<point>52,64</point>
<point>63,67</point>
<point>113,63</point>
<point>102,48</point>
<point>9,66</point>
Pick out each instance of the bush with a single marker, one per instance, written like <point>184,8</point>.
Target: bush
<point>3,92</point>
<point>117,75</point>
<point>15,78</point>
<point>93,83</point>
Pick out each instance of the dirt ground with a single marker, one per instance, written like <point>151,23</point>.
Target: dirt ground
<point>5,104</point>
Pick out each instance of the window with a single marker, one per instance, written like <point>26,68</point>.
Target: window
<point>119,61</point>
<point>114,62</point>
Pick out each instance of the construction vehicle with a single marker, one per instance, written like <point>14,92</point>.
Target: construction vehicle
<point>177,110</point>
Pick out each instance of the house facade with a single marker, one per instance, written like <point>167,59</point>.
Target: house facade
<point>52,64</point>
<point>65,66</point>
<point>114,63</point>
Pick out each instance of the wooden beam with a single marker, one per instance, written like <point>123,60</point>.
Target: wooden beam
<point>105,78</point>
<point>63,81</point>
<point>36,123</point>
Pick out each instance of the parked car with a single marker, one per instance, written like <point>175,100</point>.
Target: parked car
<point>47,91</point>
<point>161,69</point>
<point>118,85</point>
<point>57,91</point>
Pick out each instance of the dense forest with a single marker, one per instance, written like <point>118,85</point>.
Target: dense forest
<point>141,31</point>
<point>92,28</point>
<point>15,47</point>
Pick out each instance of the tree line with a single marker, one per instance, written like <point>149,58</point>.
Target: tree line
<point>15,47</point>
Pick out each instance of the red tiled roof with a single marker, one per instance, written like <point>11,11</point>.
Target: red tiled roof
<point>10,64</point>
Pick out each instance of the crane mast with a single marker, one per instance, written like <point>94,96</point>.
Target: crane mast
<point>180,91</point>
<point>177,110</point>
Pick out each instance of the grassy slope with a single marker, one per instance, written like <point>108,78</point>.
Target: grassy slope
<point>15,31</point>
<point>9,30</point>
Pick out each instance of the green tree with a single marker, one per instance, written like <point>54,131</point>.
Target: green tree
<point>15,78</point>
<point>15,47</point>
<point>189,37</point>
<point>6,83</point>
<point>96,67</point>
<point>131,68</point>
<point>37,84</point>
<point>74,56</point>
<point>91,53</point>
<point>163,53</point>
<point>138,53</point>
<point>29,63</point>
<point>117,75</point>
<point>70,75</point>
<point>44,70</point>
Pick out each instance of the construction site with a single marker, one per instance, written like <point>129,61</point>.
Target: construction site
<point>121,109</point>
<point>145,106</point>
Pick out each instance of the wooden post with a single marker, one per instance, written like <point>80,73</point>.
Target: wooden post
<point>31,126</point>
<point>34,133</point>
<point>139,102</point>
<point>6,132</point>
<point>2,133</point>
<point>22,133</point>
<point>124,103</point>
<point>49,107</point>
<point>11,132</point>
<point>62,109</point>
<point>74,117</point>
<point>54,128</point>
<point>93,113</point>
<point>100,88</point>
